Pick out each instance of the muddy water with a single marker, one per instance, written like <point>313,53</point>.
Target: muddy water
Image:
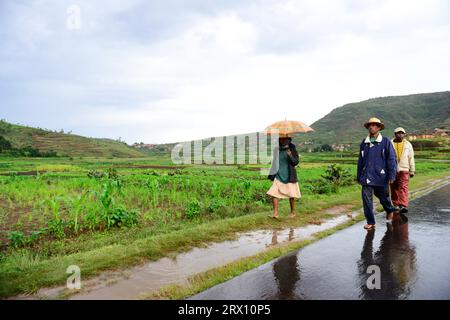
<point>413,256</point>
<point>154,275</point>
<point>23,173</point>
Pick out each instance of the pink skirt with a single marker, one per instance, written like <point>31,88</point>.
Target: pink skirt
<point>282,190</point>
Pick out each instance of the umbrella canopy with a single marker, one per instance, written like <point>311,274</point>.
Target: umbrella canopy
<point>287,127</point>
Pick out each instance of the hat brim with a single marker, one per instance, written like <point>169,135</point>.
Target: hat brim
<point>366,125</point>
<point>400,131</point>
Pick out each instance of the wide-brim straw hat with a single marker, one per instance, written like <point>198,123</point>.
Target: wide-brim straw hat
<point>374,120</point>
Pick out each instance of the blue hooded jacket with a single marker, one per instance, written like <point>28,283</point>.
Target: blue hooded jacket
<point>377,163</point>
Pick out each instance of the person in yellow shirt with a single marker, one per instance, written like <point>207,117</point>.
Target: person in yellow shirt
<point>398,147</point>
<point>405,169</point>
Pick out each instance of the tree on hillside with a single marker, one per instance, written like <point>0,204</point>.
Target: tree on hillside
<point>326,148</point>
<point>323,148</point>
<point>4,144</point>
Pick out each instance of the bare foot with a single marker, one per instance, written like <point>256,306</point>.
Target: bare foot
<point>369,227</point>
<point>292,215</point>
<point>389,216</point>
<point>274,216</point>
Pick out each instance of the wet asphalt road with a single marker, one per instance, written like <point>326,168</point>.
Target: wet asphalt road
<point>413,256</point>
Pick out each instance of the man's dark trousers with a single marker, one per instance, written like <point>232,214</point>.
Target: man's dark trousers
<point>382,193</point>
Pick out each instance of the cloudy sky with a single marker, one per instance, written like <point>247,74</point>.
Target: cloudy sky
<point>174,70</point>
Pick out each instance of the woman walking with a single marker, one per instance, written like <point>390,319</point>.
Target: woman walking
<point>284,175</point>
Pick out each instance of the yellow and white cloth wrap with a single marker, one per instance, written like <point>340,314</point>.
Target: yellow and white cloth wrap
<point>282,190</point>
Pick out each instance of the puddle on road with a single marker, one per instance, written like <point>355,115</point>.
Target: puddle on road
<point>133,282</point>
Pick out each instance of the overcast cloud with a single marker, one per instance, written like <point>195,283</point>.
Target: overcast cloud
<point>166,71</point>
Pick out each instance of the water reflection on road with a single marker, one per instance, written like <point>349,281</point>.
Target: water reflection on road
<point>396,258</point>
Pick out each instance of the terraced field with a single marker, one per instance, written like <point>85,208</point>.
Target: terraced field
<point>65,144</point>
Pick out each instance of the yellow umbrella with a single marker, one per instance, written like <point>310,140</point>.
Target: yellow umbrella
<point>287,127</point>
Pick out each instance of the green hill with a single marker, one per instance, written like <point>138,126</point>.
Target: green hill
<point>416,113</point>
<point>64,144</point>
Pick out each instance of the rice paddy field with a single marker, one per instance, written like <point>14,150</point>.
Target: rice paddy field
<point>104,214</point>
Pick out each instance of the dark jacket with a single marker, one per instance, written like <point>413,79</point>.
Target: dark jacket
<point>293,160</point>
<point>377,164</point>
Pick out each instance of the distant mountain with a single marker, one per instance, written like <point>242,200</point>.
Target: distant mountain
<point>64,144</point>
<point>416,113</point>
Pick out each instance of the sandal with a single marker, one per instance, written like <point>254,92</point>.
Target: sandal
<point>369,226</point>
<point>403,209</point>
<point>274,217</point>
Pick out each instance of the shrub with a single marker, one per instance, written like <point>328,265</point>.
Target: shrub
<point>4,144</point>
<point>114,216</point>
<point>113,174</point>
<point>34,236</point>
<point>56,227</point>
<point>176,172</point>
<point>335,176</point>
<point>29,151</point>
<point>320,186</point>
<point>19,239</point>
<point>16,239</point>
<point>92,219</point>
<point>153,173</point>
<point>193,209</point>
<point>121,217</point>
<point>216,205</point>
<point>95,174</point>
<point>323,148</point>
<point>338,176</point>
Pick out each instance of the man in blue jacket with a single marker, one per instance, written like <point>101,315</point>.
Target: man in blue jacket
<point>377,168</point>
